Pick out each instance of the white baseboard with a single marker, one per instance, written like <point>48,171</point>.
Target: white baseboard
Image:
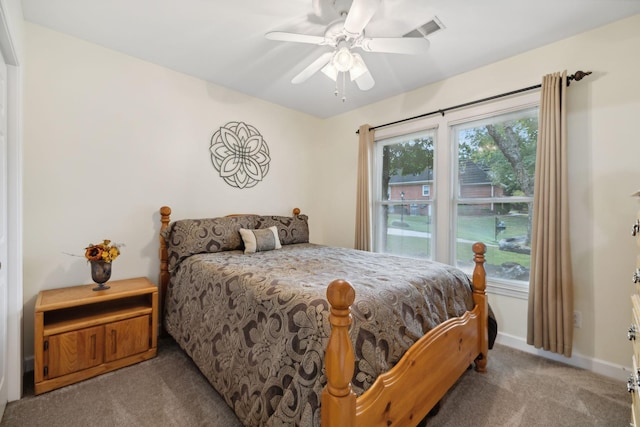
<point>577,360</point>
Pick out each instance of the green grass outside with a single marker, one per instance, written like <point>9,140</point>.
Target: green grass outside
<point>415,222</point>
<point>470,229</point>
<point>418,247</point>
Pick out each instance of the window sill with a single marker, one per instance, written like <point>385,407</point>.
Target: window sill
<point>508,290</point>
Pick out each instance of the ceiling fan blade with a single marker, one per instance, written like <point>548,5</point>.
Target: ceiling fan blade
<point>293,37</point>
<point>312,68</point>
<point>359,15</point>
<point>406,45</point>
<point>360,73</point>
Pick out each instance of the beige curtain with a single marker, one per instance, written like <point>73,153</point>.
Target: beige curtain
<point>363,192</point>
<point>550,321</point>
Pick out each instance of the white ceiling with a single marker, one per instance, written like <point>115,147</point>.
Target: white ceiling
<point>223,41</point>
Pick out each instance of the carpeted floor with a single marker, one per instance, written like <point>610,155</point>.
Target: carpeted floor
<point>518,390</point>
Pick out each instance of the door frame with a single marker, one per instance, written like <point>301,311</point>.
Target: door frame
<point>11,22</point>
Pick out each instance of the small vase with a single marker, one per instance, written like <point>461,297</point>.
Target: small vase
<point>100,273</point>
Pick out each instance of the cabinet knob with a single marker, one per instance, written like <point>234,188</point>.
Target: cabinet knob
<point>631,333</point>
<point>636,228</point>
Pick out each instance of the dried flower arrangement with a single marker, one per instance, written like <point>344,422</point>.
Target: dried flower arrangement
<point>105,251</point>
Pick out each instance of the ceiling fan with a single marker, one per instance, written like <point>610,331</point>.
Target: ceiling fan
<point>344,35</point>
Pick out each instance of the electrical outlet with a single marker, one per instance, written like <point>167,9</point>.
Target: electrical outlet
<point>577,319</point>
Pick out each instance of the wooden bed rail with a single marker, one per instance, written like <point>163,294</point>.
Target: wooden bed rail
<point>404,395</point>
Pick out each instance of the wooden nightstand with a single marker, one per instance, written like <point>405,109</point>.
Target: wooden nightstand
<point>81,333</point>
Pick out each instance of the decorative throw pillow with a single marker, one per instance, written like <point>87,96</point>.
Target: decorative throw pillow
<point>264,239</point>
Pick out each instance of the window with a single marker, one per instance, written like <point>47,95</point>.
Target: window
<point>444,182</point>
<point>404,211</point>
<point>496,160</point>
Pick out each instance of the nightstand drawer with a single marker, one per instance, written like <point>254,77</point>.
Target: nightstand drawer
<point>127,337</point>
<point>73,351</point>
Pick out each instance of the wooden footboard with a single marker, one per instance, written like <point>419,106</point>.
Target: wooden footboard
<point>405,394</point>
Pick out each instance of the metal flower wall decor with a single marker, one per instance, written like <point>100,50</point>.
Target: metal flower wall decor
<point>240,154</point>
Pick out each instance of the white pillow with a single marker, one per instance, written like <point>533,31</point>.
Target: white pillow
<point>260,240</point>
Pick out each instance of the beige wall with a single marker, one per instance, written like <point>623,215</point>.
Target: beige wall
<point>108,139</point>
<point>604,170</point>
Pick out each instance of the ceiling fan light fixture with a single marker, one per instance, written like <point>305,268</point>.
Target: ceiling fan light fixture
<point>343,58</point>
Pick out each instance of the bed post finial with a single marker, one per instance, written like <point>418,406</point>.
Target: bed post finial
<point>479,280</point>
<point>338,399</point>
<point>165,218</point>
<point>480,299</point>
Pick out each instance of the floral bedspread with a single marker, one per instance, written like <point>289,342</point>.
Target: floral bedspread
<point>257,325</point>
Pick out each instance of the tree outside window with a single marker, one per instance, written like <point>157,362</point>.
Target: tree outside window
<point>495,182</point>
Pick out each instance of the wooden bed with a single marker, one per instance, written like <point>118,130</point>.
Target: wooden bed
<point>406,393</point>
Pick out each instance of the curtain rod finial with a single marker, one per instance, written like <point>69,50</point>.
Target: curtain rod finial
<point>577,76</point>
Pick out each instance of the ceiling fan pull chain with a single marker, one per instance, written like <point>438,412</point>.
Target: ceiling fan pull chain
<point>344,87</point>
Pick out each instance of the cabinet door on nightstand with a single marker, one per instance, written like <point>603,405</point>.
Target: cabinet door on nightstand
<point>126,337</point>
<point>73,351</point>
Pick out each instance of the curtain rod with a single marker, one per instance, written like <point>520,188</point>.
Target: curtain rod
<point>577,76</point>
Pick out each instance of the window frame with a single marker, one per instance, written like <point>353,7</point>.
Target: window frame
<point>444,198</point>
<point>378,204</point>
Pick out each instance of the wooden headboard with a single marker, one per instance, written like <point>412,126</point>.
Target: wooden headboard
<point>165,219</point>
